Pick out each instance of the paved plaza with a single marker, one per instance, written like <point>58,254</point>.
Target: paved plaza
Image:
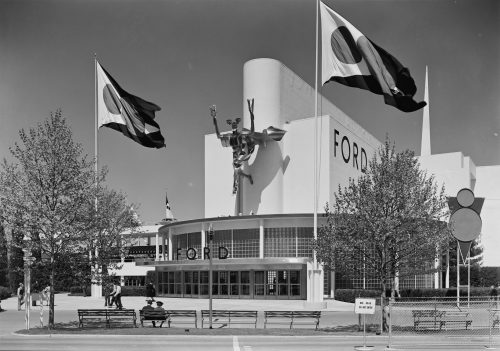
<point>336,312</point>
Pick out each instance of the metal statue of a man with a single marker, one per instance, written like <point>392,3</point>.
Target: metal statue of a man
<point>243,141</point>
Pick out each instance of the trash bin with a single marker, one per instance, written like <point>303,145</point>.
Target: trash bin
<point>34,298</point>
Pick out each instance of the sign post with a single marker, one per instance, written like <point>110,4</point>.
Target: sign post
<point>364,306</point>
<point>210,273</point>
<point>465,224</point>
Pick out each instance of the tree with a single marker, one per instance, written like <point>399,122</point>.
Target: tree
<point>476,260</point>
<point>4,264</point>
<point>387,223</point>
<point>48,196</point>
<point>110,215</point>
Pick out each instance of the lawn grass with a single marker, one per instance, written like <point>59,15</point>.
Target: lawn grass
<point>72,329</point>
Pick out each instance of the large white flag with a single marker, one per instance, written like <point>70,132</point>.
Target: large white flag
<point>349,58</point>
<point>126,113</point>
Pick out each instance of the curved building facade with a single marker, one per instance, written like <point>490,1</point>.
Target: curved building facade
<point>255,256</point>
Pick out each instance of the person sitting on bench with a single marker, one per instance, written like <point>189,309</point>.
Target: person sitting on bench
<point>149,307</point>
<point>159,307</point>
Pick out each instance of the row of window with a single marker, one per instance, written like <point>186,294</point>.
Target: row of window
<point>244,284</point>
<point>420,281</point>
<point>244,243</point>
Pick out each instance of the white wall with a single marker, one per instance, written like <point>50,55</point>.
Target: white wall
<point>454,170</point>
<point>487,186</point>
<point>219,198</point>
<point>129,268</point>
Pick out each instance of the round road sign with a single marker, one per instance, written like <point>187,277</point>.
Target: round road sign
<point>465,224</point>
<point>465,197</point>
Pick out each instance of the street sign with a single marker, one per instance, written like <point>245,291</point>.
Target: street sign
<point>364,306</point>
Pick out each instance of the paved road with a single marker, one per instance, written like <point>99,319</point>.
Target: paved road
<point>335,314</point>
<point>215,343</point>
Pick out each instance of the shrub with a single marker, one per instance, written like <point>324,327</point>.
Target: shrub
<point>77,291</point>
<point>349,295</point>
<point>423,292</point>
<point>4,293</point>
<point>133,291</point>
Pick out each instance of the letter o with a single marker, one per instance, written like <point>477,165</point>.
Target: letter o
<point>344,138</point>
<point>191,254</point>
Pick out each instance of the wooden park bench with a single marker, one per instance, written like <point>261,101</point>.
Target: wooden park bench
<point>495,317</point>
<point>182,317</point>
<point>437,320</point>
<point>106,315</point>
<point>292,317</point>
<point>153,316</point>
<point>226,317</point>
<point>427,319</point>
<point>456,320</point>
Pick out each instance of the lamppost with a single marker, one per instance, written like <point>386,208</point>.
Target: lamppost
<point>28,261</point>
<point>210,275</point>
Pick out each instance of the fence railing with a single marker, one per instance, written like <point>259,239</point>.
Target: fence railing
<point>444,321</point>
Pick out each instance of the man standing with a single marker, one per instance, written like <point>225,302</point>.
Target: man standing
<point>20,296</point>
<point>150,291</point>
<point>117,296</point>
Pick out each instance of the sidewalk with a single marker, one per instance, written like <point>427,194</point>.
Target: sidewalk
<point>65,302</point>
<point>336,313</point>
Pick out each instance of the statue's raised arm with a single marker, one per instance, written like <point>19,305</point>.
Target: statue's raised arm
<point>213,113</point>
<point>250,109</point>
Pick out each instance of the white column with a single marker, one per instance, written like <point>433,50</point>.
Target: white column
<point>262,81</point>
<point>203,242</point>
<point>332,284</point>
<point>170,257</point>
<point>157,247</point>
<point>261,238</point>
<point>163,253</point>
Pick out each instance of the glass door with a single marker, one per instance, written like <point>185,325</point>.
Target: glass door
<point>223,284</point>
<point>282,287</point>
<point>234,284</point>
<point>271,287</point>
<point>245,284</point>
<point>259,284</point>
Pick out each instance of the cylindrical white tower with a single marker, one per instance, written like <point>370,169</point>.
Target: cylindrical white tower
<point>262,81</point>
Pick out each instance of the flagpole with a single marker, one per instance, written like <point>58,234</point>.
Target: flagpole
<point>315,282</point>
<point>96,144</point>
<point>94,292</point>
<point>315,230</point>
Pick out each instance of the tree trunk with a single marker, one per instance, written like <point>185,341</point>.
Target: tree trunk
<point>384,309</point>
<point>51,299</point>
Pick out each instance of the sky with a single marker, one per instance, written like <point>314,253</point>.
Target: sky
<point>185,55</point>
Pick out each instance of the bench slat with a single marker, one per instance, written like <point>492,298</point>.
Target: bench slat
<point>183,317</point>
<point>106,314</point>
<point>230,316</point>
<point>297,317</point>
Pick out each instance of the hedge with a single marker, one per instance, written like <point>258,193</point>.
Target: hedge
<point>126,291</point>
<point>349,295</point>
<point>77,291</point>
<point>133,291</point>
<point>4,293</point>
